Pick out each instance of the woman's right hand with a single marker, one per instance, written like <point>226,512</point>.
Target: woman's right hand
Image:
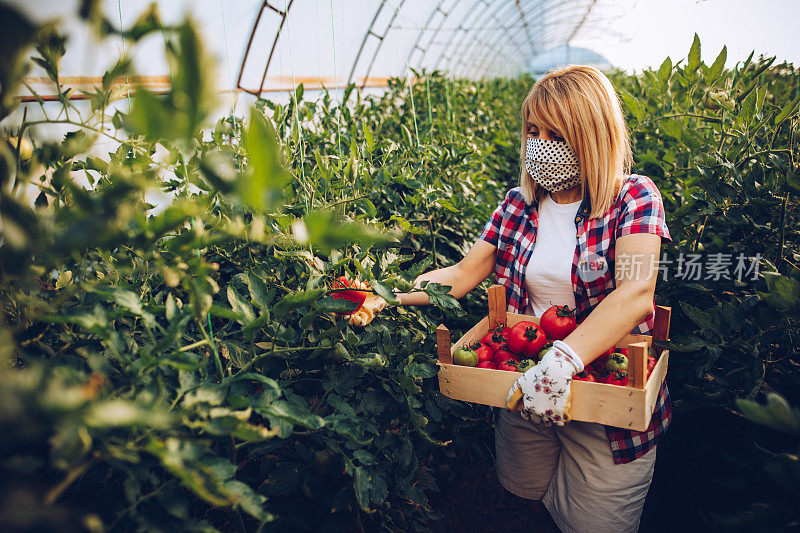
<point>464,276</point>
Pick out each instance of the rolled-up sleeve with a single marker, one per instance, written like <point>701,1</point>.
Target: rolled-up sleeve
<point>643,211</point>
<point>494,227</point>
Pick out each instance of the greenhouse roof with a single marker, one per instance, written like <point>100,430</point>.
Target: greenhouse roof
<point>273,45</point>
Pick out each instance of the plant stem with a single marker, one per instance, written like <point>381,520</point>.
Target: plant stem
<point>783,229</point>
<point>192,346</point>
<point>217,361</point>
<point>74,473</point>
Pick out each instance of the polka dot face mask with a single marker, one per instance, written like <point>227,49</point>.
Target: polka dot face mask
<point>552,164</point>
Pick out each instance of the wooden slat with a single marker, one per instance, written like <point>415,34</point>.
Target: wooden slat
<point>630,339</point>
<point>637,365</point>
<point>443,344</point>
<point>621,407</point>
<point>473,384</point>
<point>590,402</point>
<point>661,324</point>
<point>654,385</point>
<point>497,306</point>
<point>475,334</point>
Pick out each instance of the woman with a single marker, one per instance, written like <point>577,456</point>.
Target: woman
<point>576,205</point>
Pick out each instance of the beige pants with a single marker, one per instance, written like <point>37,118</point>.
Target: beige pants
<point>571,469</point>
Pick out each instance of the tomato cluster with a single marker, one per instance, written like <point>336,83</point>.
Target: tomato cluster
<point>521,346</point>
<point>612,367</point>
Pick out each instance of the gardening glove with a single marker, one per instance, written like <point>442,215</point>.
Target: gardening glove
<point>371,307</point>
<point>373,304</point>
<point>545,387</point>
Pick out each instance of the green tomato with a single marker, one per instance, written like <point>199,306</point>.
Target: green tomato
<point>544,350</point>
<point>465,357</point>
<point>525,364</point>
<point>616,362</point>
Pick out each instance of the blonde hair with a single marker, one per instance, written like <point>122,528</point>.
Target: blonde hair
<point>580,103</point>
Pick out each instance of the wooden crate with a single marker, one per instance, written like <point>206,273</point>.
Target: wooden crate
<point>628,407</point>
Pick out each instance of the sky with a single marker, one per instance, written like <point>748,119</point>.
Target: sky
<point>660,28</point>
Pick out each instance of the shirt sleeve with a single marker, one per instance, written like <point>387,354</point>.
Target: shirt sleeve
<point>493,228</point>
<point>643,211</point>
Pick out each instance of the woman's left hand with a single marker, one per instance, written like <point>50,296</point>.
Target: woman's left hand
<point>546,387</point>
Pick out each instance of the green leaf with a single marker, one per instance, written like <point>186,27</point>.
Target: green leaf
<point>297,299</point>
<point>421,370</point>
<point>633,105</point>
<point>245,498</point>
<point>291,413</point>
<point>370,487</point>
<point>694,55</point>
<point>329,304</point>
<point>787,110</point>
<point>258,290</point>
<point>240,305</point>
<point>719,63</point>
<point>784,292</point>
<point>120,413</point>
<point>369,138</point>
<point>261,184</point>
<point>664,71</point>
<point>130,302</point>
<point>793,180</point>
<point>776,413</point>
<point>383,290</point>
<point>64,279</point>
<point>701,318</point>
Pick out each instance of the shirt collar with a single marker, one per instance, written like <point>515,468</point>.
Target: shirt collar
<point>583,210</point>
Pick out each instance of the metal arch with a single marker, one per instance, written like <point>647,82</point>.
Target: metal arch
<point>477,24</point>
<point>436,32</point>
<point>379,37</point>
<point>480,39</point>
<point>415,46</point>
<point>480,62</point>
<point>459,28</point>
<point>283,15</point>
<point>481,59</point>
<point>550,38</point>
<point>525,24</point>
<point>489,23</point>
<point>480,26</point>
<point>481,47</point>
<point>582,21</point>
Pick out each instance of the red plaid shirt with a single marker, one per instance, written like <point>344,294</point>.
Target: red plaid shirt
<point>637,209</point>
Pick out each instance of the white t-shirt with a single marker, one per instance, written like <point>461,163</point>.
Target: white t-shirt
<point>548,276</point>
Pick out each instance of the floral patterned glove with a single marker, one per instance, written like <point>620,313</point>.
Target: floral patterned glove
<point>546,387</point>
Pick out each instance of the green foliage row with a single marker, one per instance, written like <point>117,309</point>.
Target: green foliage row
<point>722,147</point>
<point>186,370</point>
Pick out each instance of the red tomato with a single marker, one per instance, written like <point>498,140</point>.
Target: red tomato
<point>504,355</point>
<point>493,340</point>
<point>509,366</point>
<point>623,351</point>
<point>353,296</point>
<point>558,322</point>
<point>485,353</point>
<point>526,338</point>
<point>618,378</point>
<point>651,363</point>
<point>487,364</point>
<point>590,377</point>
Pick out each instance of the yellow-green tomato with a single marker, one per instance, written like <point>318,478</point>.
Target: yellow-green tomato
<point>617,362</point>
<point>465,357</point>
